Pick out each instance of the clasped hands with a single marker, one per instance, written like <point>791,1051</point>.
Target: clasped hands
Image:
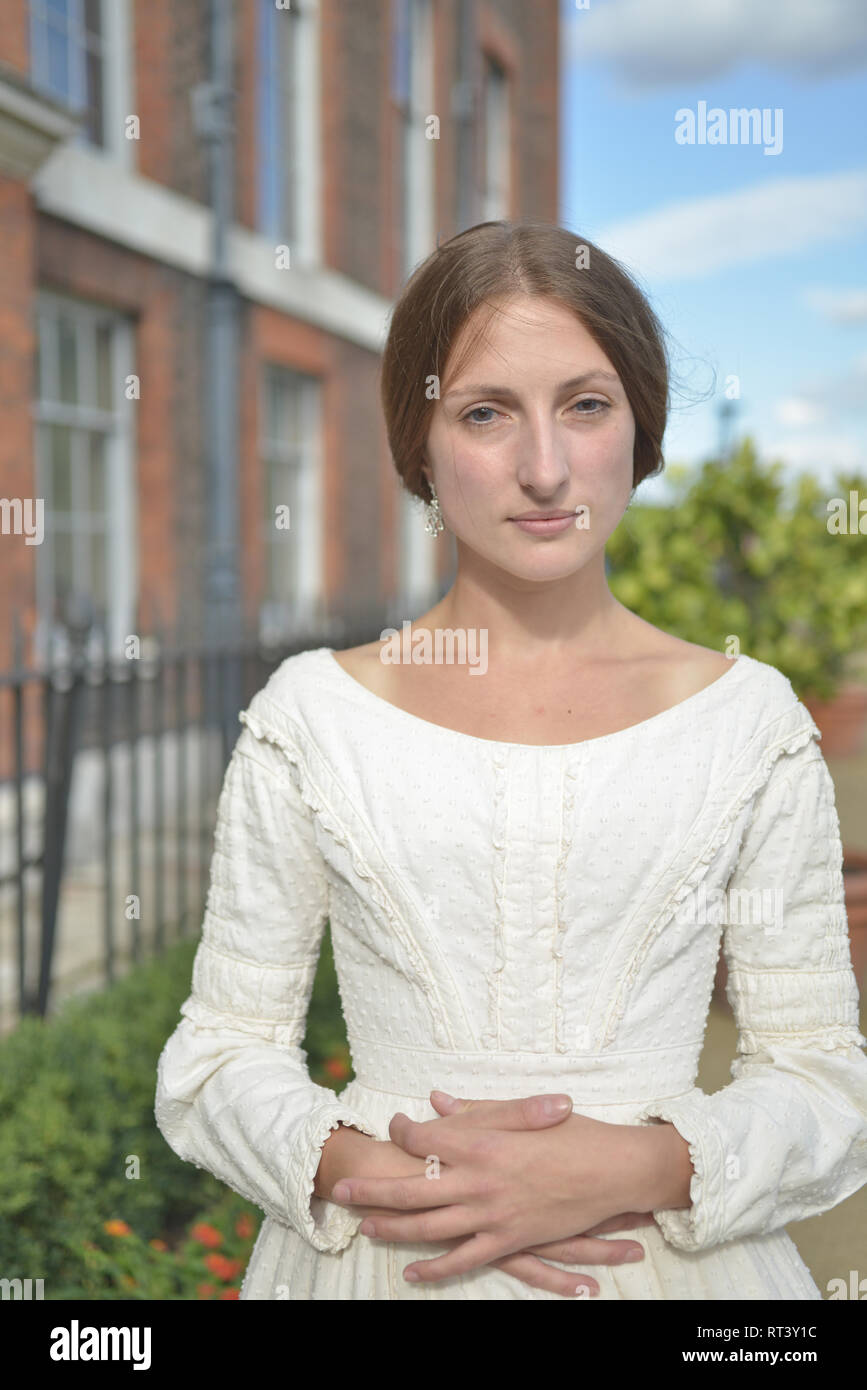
<point>506,1182</point>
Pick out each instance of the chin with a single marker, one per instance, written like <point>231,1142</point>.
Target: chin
<point>544,565</point>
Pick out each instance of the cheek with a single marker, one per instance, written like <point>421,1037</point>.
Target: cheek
<point>605,453</point>
<point>476,470</point>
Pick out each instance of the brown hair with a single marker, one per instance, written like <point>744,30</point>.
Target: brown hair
<point>495,259</point>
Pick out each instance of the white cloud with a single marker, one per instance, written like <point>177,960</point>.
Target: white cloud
<point>822,399</point>
<point>819,454</point>
<point>849,390</point>
<point>698,236</point>
<point>841,306</point>
<point>654,43</point>
<point>797,413</point>
<point>830,394</point>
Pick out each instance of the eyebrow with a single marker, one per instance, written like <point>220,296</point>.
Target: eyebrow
<point>574,383</point>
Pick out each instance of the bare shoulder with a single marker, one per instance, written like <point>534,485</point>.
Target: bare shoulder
<point>686,667</point>
<point>365,665</point>
<point>680,666</point>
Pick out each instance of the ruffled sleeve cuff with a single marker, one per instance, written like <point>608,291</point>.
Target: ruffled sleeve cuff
<point>701,1224</point>
<point>324,1224</point>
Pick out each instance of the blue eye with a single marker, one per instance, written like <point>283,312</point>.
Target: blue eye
<point>587,400</point>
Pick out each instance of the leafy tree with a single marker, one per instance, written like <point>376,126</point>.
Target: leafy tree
<point>744,554</point>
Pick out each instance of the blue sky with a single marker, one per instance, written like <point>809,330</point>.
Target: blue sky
<point>756,263</point>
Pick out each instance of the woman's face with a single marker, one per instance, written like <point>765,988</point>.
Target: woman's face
<point>515,435</point>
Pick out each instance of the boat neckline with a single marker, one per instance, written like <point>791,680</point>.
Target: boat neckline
<point>364,693</point>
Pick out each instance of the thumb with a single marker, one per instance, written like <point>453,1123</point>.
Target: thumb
<point>441,1100</point>
<point>546,1109</point>
<point>527,1112</point>
<point>450,1105</point>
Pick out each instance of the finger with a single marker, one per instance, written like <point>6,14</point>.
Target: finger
<point>480,1249</point>
<point>526,1112</point>
<point>422,1138</point>
<point>586,1250</point>
<point>403,1194</point>
<point>539,1275</point>
<point>448,1143</point>
<point>625,1222</point>
<point>443,1102</point>
<point>378,1214</point>
<point>436,1225</point>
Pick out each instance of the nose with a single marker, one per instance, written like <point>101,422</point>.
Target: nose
<point>544,461</point>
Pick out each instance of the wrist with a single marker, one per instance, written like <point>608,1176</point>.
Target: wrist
<point>342,1154</point>
<point>667,1168</point>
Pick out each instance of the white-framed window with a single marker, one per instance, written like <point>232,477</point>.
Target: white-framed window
<point>86,565</point>
<point>291,457</point>
<point>412,90</point>
<point>288,127</point>
<point>412,93</point>
<point>496,192</point>
<point>80,55</point>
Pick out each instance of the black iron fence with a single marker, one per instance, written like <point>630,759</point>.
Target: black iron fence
<point>172,712</point>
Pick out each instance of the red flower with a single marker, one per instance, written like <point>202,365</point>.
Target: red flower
<point>157,1244</point>
<point>205,1290</point>
<point>336,1067</point>
<point>244,1226</point>
<point>117,1228</point>
<point>223,1268</point>
<point>206,1235</point>
<point>229,1293</point>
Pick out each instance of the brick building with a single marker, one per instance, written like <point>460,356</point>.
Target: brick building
<point>106,210</point>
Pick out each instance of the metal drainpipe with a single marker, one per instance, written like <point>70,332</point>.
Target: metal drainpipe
<point>464,94</point>
<point>213,115</point>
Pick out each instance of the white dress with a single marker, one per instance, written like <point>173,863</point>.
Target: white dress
<point>509,919</point>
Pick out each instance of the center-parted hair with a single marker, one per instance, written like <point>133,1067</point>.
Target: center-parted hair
<point>496,260</point>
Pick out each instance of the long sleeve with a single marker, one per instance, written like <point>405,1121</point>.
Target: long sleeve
<point>787,1137</point>
<point>234,1095</point>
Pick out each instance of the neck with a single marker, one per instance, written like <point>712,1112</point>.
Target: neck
<point>523,620</point>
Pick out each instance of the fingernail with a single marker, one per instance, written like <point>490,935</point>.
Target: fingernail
<point>552,1106</point>
<point>444,1095</point>
<point>632,1255</point>
<point>411,1276</point>
<point>341,1192</point>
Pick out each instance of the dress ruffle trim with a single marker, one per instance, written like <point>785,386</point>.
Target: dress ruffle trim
<point>700,1225</point>
<point>560,881</point>
<point>490,1034</point>
<point>324,1224</point>
<point>688,884</point>
<point>315,801</point>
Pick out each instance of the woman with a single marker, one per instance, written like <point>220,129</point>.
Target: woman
<point>516,856</point>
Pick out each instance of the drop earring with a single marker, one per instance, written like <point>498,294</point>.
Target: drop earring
<point>433,517</point>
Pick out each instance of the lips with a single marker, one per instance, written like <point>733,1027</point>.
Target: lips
<point>545,525</point>
<point>541,516</point>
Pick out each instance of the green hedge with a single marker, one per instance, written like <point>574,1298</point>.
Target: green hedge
<point>76,1099</point>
